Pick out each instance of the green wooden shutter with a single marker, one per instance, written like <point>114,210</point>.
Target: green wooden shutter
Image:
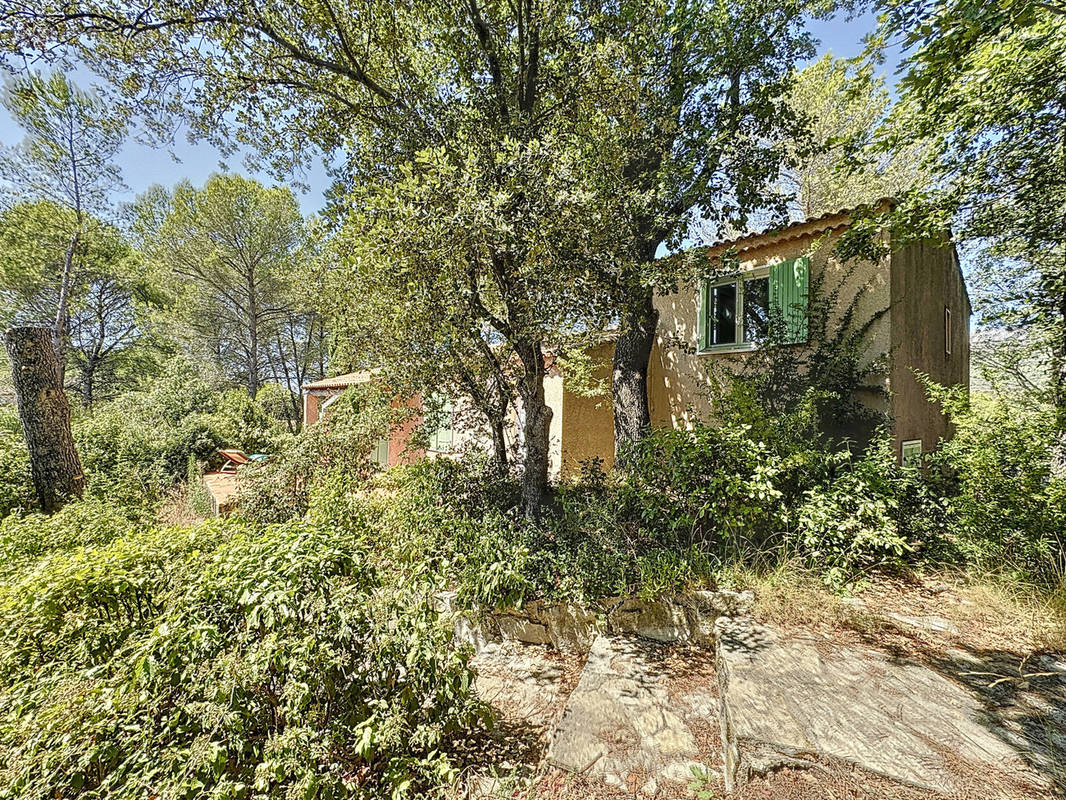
<point>703,322</point>
<point>380,453</point>
<point>789,282</point>
<point>441,438</point>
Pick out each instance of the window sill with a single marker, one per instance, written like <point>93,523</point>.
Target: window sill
<point>726,349</point>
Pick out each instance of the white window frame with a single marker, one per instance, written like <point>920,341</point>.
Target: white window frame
<point>738,346</point>
<point>947,331</point>
<point>905,458</point>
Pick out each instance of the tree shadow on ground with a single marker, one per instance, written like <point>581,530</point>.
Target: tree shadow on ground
<point>1023,698</point>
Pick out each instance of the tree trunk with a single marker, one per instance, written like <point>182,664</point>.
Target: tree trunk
<point>1058,384</point>
<point>253,339</point>
<point>498,426</point>
<point>88,380</point>
<point>45,414</point>
<point>629,379</point>
<point>535,426</point>
<point>59,333</point>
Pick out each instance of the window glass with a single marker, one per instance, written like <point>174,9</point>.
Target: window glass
<point>756,309</point>
<point>723,321</point>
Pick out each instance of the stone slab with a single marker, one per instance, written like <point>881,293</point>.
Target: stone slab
<point>524,682</point>
<point>785,698</point>
<point>622,726</point>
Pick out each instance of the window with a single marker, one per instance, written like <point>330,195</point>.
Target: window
<point>947,331</point>
<point>910,453</point>
<point>380,454</point>
<point>723,319</point>
<point>440,438</point>
<point>736,313</point>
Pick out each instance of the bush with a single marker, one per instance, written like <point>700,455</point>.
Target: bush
<point>16,489</point>
<point>690,502</point>
<point>135,447</point>
<point>1010,513</point>
<point>853,524</point>
<point>224,661</point>
<point>85,523</point>
<point>334,451</point>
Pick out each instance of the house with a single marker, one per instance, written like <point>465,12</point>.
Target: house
<point>582,427</point>
<point>910,302</point>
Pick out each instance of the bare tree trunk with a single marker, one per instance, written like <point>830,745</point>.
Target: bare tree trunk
<point>535,426</point>
<point>253,338</point>
<point>1058,383</point>
<point>59,334</point>
<point>629,379</point>
<point>88,383</point>
<point>45,414</point>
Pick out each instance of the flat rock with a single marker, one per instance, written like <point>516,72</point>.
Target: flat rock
<point>621,724</point>
<point>784,699</point>
<point>525,683</point>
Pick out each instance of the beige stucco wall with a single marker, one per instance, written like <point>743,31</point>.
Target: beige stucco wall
<point>588,421</point>
<point>681,378</point>
<point>553,398</point>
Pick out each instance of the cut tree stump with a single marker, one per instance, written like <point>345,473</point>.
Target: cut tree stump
<point>45,414</point>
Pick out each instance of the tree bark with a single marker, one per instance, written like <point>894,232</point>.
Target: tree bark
<point>59,333</point>
<point>1058,383</point>
<point>629,378</point>
<point>45,414</point>
<point>497,415</point>
<point>253,343</point>
<point>535,426</point>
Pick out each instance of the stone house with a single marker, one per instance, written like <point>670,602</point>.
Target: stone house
<point>911,303</point>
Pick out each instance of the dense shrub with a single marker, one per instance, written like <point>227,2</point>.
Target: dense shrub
<point>137,445</point>
<point>334,451</point>
<point>223,661</point>
<point>26,538</point>
<point>1009,513</point>
<point>16,490</point>
<point>690,502</point>
<point>855,523</point>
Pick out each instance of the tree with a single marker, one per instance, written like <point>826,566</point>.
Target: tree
<point>67,158</point>
<point>836,166</point>
<point>110,342</point>
<point>231,253</point>
<point>695,129</point>
<point>675,107</point>
<point>984,86</point>
<point>471,309</point>
<point>45,414</point>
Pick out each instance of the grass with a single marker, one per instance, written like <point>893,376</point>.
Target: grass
<point>987,611</point>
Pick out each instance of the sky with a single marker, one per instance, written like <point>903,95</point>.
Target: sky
<point>143,166</point>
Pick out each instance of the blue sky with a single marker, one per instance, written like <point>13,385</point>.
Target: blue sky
<point>143,166</point>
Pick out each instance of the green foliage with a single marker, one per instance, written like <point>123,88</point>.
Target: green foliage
<point>689,502</point>
<point>236,256</point>
<point>25,539</point>
<point>136,446</point>
<point>225,661</point>
<point>332,453</point>
<point>16,490</point>
<point>997,144</point>
<point>841,104</point>
<point>1009,510</point>
<point>851,525</point>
